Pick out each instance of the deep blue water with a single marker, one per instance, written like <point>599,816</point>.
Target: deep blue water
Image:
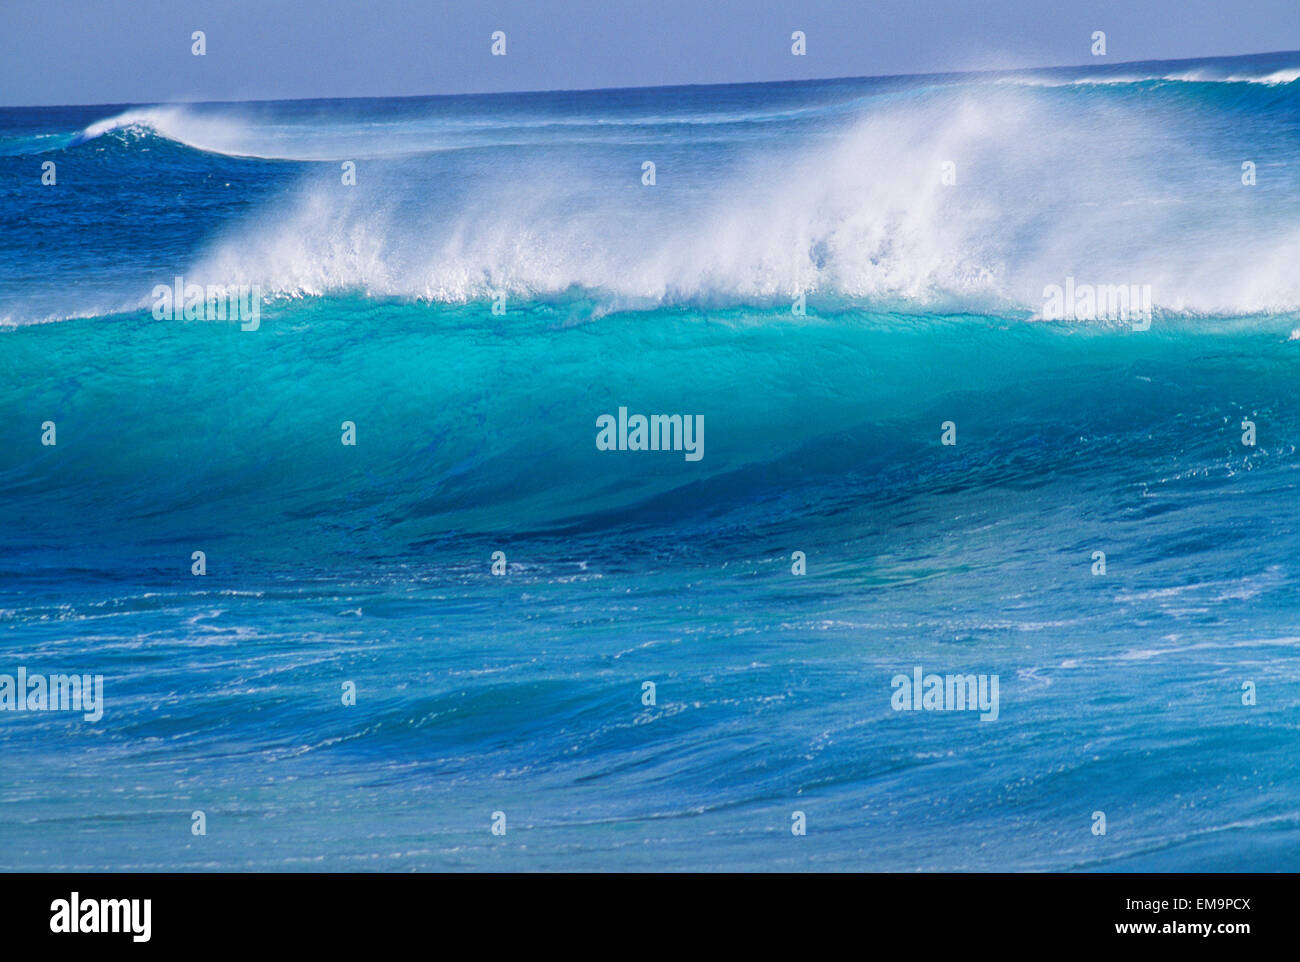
<point>476,432</point>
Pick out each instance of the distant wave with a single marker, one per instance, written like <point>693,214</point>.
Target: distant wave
<point>1274,78</point>
<point>206,132</point>
<point>234,130</point>
<point>239,132</point>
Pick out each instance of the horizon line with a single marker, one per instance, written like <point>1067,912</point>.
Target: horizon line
<point>648,87</point>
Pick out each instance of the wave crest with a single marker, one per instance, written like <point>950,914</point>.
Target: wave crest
<point>867,211</point>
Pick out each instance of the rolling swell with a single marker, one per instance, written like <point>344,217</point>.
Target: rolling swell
<point>472,425</point>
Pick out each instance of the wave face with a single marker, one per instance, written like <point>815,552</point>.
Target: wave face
<point>497,278</point>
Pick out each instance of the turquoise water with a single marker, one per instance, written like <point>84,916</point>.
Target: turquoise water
<point>475,433</point>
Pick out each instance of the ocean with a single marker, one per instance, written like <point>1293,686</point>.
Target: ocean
<point>481,637</point>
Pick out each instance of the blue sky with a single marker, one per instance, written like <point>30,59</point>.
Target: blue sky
<point>113,51</point>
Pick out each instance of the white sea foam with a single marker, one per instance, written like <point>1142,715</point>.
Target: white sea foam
<point>1097,194</point>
